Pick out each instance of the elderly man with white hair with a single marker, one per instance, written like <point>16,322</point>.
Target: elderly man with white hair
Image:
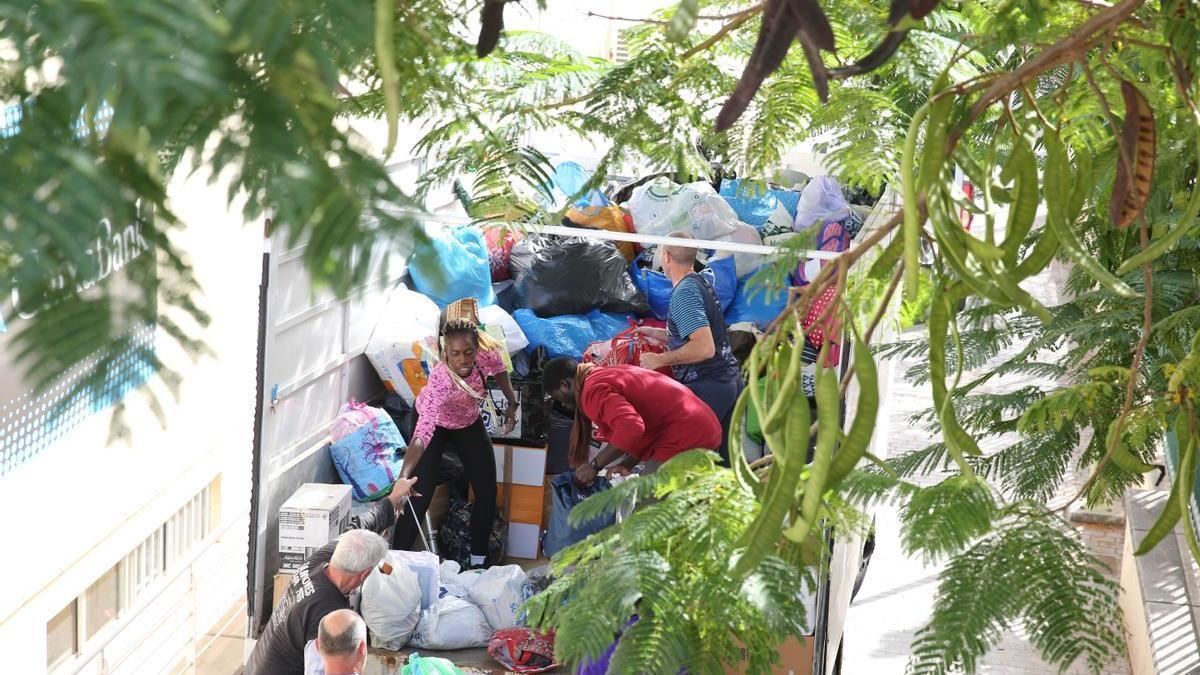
<point>321,585</point>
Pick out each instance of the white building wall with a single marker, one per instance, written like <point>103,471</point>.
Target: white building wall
<point>83,504</point>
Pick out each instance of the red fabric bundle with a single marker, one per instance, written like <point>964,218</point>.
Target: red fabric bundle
<point>523,651</point>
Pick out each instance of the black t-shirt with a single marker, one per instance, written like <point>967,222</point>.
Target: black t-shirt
<point>309,597</point>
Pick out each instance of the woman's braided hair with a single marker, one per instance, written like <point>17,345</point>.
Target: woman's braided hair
<point>462,318</point>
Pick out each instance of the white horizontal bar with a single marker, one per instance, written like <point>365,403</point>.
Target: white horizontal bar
<point>589,233</point>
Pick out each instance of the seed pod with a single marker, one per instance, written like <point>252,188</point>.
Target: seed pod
<point>1132,187</point>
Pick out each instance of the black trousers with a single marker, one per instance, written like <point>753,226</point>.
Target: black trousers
<point>474,448</point>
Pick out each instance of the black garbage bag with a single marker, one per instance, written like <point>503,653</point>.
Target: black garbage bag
<point>573,275</point>
<point>454,537</point>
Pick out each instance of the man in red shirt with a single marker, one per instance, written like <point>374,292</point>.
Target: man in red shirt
<point>645,416</point>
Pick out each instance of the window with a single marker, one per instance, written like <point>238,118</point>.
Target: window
<point>137,575</point>
<point>61,634</point>
<point>101,603</point>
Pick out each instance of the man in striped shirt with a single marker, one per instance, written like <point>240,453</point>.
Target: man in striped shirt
<point>699,352</point>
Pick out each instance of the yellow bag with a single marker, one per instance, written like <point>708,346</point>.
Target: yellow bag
<point>610,218</point>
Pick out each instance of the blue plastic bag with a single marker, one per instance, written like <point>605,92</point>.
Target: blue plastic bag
<point>570,334</point>
<point>452,265</point>
<point>566,495</point>
<point>569,178</point>
<point>366,458</point>
<point>721,273</point>
<point>755,303</point>
<point>753,205</point>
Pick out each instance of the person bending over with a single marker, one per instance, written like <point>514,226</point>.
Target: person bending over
<point>645,416</point>
<point>448,414</point>
<point>698,347</point>
<point>321,585</point>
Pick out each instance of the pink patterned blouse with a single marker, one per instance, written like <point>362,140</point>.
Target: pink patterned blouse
<point>442,404</point>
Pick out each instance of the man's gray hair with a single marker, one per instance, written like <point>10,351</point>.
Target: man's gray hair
<point>685,255</point>
<point>345,643</point>
<point>358,551</point>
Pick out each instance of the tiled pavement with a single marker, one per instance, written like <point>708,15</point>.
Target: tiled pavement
<point>897,596</point>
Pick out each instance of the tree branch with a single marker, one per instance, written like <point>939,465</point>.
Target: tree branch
<point>1069,49</point>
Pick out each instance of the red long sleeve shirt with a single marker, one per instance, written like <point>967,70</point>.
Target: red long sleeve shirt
<point>647,414</point>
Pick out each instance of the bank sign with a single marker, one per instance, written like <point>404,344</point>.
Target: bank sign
<point>119,262</point>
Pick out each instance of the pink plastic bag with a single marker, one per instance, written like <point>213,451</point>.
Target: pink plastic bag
<point>352,416</point>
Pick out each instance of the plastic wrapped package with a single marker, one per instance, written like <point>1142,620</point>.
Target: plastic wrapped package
<point>514,337</point>
<point>756,304</point>
<point>426,665</point>
<point>569,275</point>
<point>821,201</point>
<point>779,227</point>
<point>497,593</point>
<point>521,650</point>
<point>451,623</point>
<point>425,565</point>
<point>609,218</point>
<point>661,207</point>
<point>746,263</point>
<point>391,605</point>
<point>568,181</point>
<point>569,335</point>
<point>403,348</point>
<point>499,246</point>
<point>832,238</point>
<point>751,201</point>
<point>452,264</point>
<point>366,458</point>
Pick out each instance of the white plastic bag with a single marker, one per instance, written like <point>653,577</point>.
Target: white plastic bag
<point>452,623</point>
<point>661,207</point>
<point>498,594</point>
<point>455,582</point>
<point>745,263</point>
<point>514,337</point>
<point>391,605</point>
<point>403,347</point>
<point>425,565</point>
<point>821,201</point>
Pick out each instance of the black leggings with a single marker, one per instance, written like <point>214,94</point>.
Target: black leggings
<point>474,447</point>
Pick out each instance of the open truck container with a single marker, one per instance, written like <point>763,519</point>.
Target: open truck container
<point>311,361</point>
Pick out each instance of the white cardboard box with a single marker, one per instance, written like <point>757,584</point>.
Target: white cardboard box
<point>313,516</point>
<point>523,540</point>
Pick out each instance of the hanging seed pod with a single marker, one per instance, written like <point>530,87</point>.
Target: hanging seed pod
<point>1132,187</point>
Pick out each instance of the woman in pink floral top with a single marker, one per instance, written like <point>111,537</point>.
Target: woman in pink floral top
<point>448,413</point>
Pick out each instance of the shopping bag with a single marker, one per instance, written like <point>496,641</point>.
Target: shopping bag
<point>566,495</point>
<point>391,604</point>
<point>523,651</point>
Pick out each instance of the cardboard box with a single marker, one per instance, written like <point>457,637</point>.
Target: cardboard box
<point>281,583</point>
<point>795,658</point>
<point>313,516</point>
